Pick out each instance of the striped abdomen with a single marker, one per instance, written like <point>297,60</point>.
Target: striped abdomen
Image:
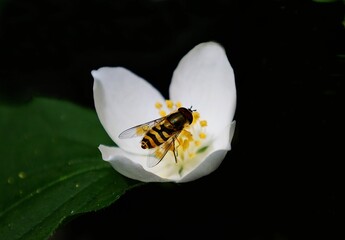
<point>158,135</point>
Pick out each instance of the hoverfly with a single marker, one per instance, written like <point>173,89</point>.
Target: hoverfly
<point>160,134</point>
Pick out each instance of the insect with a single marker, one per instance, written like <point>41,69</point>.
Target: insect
<point>160,134</point>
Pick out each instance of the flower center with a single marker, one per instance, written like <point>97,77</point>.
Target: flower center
<point>190,141</point>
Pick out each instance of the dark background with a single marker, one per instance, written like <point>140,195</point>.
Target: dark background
<point>283,178</point>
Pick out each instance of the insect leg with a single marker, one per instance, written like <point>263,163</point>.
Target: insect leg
<point>174,151</point>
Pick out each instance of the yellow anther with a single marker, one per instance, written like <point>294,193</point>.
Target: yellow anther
<point>191,155</point>
<point>185,144</point>
<point>203,123</point>
<point>169,103</point>
<point>158,105</point>
<point>162,113</point>
<point>187,134</point>
<point>178,104</point>
<point>202,135</point>
<point>196,117</point>
<point>197,143</point>
<point>140,131</point>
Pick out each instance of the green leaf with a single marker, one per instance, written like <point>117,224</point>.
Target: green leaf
<point>50,167</point>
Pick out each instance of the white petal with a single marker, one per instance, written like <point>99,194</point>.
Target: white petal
<point>205,80</point>
<point>232,130</point>
<point>220,147</point>
<point>128,164</point>
<point>223,140</point>
<point>123,100</point>
<point>210,164</point>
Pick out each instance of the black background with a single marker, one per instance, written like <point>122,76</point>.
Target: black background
<point>283,178</point>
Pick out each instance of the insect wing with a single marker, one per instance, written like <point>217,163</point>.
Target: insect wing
<point>160,152</point>
<point>140,130</point>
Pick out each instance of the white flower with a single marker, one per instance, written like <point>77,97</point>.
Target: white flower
<point>203,79</point>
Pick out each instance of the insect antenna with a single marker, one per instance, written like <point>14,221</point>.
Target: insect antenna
<point>192,110</point>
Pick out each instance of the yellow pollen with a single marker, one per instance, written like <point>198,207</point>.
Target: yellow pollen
<point>140,131</point>
<point>187,134</point>
<point>202,135</point>
<point>158,105</point>
<point>191,155</point>
<point>185,144</point>
<point>203,123</point>
<point>169,103</point>
<point>197,143</point>
<point>162,113</point>
<point>196,115</point>
<point>178,104</point>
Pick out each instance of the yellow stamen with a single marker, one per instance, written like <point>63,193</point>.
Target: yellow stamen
<point>196,117</point>
<point>158,105</point>
<point>162,113</point>
<point>169,103</point>
<point>140,131</point>
<point>185,145</point>
<point>191,155</point>
<point>202,135</point>
<point>203,123</point>
<point>197,143</point>
<point>187,134</point>
<point>178,104</point>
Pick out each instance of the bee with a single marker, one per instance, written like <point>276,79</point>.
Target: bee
<point>161,134</point>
